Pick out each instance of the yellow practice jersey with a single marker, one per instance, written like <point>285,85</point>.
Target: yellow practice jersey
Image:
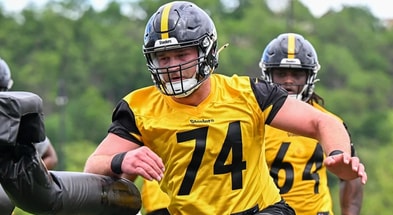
<point>152,196</point>
<point>213,153</point>
<point>296,165</point>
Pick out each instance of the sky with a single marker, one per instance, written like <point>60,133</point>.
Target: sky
<point>378,8</point>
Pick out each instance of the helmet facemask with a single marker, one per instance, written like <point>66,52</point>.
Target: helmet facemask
<point>178,25</point>
<point>204,65</point>
<point>303,90</point>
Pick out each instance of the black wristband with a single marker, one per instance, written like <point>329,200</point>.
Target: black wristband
<point>116,163</point>
<point>335,152</point>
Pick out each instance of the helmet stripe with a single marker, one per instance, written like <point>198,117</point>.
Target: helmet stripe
<point>164,21</point>
<point>291,46</point>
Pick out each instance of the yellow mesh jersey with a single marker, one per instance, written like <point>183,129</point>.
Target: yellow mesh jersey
<point>213,153</point>
<point>152,197</point>
<point>296,164</point>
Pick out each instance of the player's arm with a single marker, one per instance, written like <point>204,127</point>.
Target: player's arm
<point>116,156</point>
<point>298,117</point>
<point>50,157</point>
<point>351,196</point>
<point>121,153</point>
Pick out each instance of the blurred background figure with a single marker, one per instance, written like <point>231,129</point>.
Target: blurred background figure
<point>48,153</point>
<point>296,162</point>
<point>45,148</point>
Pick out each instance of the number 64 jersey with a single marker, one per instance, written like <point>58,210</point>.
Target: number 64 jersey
<point>296,165</point>
<point>213,153</point>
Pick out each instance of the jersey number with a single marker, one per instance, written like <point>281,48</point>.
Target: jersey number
<point>232,144</point>
<point>279,164</point>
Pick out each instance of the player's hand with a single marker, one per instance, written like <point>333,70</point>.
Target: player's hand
<point>144,162</point>
<point>346,167</point>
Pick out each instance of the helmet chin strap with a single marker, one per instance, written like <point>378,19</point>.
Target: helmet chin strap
<point>299,95</point>
<point>222,48</point>
<point>296,96</point>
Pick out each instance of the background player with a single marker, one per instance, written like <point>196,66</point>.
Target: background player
<point>295,161</point>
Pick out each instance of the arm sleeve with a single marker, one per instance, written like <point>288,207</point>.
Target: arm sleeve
<point>268,96</point>
<point>123,123</point>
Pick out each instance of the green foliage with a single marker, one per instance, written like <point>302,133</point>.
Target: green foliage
<point>76,153</point>
<point>377,190</point>
<point>92,111</point>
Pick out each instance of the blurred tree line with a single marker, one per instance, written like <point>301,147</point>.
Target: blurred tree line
<point>82,62</point>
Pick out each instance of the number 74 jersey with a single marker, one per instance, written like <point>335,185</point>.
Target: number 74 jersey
<point>213,152</point>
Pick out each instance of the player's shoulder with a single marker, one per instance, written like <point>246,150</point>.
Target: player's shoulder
<point>230,79</point>
<point>145,93</point>
<point>231,86</point>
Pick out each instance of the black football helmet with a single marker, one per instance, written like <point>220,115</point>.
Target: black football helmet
<point>290,50</point>
<point>5,76</point>
<point>176,25</point>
